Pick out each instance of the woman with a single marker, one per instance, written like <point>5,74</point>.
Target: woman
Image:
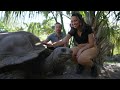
<point>85,50</point>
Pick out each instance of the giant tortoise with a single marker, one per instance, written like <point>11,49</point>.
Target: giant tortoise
<point>22,52</point>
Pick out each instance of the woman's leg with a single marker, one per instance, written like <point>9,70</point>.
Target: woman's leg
<point>79,68</point>
<point>86,57</point>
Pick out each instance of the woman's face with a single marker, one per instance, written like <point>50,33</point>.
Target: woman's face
<point>75,22</point>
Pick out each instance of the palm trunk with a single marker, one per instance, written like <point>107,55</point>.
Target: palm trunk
<point>99,28</point>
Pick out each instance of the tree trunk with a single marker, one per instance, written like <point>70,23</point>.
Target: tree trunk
<point>62,22</point>
<point>55,17</point>
<point>99,28</point>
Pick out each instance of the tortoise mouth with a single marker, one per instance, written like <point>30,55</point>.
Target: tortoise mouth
<point>64,55</point>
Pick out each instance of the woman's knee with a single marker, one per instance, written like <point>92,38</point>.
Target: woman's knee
<point>82,60</point>
<point>88,54</point>
<point>85,61</point>
<point>86,57</point>
<point>74,50</point>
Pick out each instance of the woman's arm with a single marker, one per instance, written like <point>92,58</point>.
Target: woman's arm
<point>89,44</point>
<point>81,45</point>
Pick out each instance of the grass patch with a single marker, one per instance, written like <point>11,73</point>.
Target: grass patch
<point>110,62</point>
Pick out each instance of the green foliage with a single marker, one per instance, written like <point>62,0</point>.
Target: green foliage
<point>3,27</point>
<point>115,39</point>
<point>97,19</point>
<point>39,29</point>
<point>46,13</point>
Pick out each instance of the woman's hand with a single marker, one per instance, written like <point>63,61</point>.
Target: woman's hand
<point>49,45</point>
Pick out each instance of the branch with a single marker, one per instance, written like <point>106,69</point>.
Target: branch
<point>54,16</point>
<point>66,15</point>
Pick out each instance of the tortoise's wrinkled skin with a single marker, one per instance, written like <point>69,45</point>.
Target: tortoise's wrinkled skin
<point>19,53</point>
<point>54,64</point>
<point>55,61</point>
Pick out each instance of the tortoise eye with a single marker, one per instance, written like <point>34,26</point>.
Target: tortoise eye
<point>71,51</point>
<point>63,50</point>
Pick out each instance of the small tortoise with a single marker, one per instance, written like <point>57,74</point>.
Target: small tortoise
<point>18,51</point>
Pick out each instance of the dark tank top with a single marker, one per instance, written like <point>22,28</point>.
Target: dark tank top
<point>84,36</point>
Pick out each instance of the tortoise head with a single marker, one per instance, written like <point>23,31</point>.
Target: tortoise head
<point>63,54</point>
<point>59,55</point>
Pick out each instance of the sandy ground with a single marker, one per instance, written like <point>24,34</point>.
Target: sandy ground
<point>111,71</point>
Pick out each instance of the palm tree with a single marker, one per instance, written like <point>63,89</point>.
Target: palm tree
<point>103,34</point>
